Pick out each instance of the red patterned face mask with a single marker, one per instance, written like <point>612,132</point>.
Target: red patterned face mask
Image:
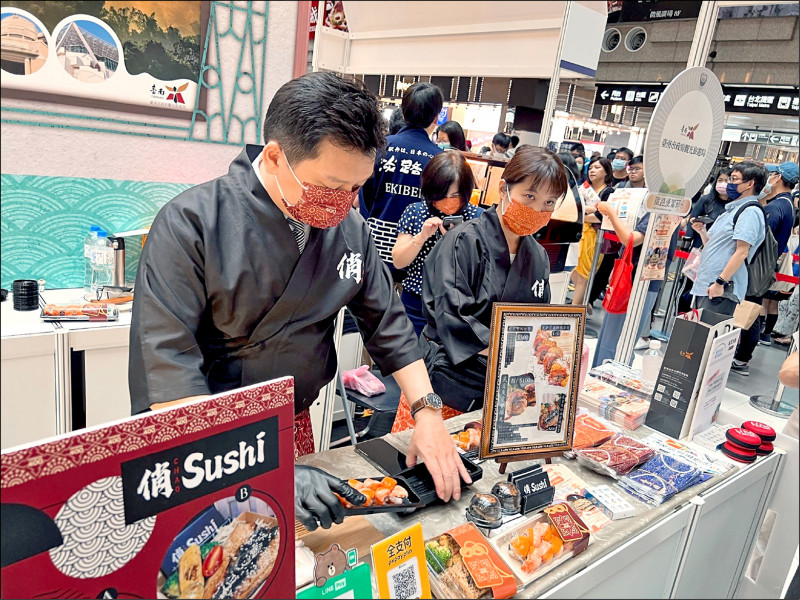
<point>523,220</point>
<point>319,206</point>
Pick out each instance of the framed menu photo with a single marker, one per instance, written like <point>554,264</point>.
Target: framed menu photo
<point>532,380</point>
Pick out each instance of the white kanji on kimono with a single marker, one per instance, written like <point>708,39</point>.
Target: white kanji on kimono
<point>155,483</point>
<point>538,288</point>
<point>388,165</point>
<point>416,168</point>
<point>350,267</point>
<point>405,166</point>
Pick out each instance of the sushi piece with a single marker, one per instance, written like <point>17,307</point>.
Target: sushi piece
<point>559,375</point>
<point>552,355</point>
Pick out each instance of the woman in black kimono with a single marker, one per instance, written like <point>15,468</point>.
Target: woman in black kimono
<point>493,258</point>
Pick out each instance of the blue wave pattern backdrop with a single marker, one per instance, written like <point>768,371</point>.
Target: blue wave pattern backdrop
<point>45,220</point>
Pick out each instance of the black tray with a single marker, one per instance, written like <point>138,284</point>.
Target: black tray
<point>413,501</point>
<point>421,481</point>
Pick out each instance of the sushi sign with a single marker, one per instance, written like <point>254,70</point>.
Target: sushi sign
<point>130,508</point>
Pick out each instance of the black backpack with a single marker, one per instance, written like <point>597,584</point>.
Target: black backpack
<point>761,269</point>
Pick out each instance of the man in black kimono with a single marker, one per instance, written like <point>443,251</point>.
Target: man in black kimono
<point>242,277</point>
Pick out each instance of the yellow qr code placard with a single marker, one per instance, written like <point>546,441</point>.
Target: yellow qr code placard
<point>400,568</point>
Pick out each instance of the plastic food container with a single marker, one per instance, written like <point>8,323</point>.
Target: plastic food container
<point>543,542</point>
<point>409,504</point>
<point>462,564</point>
<point>421,481</point>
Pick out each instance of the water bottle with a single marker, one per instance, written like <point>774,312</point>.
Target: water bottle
<point>102,262</point>
<point>651,361</point>
<point>89,244</point>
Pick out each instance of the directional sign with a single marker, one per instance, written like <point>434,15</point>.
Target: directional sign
<point>628,95</point>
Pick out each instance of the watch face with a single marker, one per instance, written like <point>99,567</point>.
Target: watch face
<point>434,401</point>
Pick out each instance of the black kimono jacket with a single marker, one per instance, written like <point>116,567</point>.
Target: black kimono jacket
<point>224,299</point>
<point>468,271</point>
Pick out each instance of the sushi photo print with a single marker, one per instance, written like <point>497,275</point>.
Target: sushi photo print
<point>532,382</point>
<point>190,502</point>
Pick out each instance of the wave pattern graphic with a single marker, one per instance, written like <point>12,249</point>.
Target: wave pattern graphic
<point>96,540</point>
<point>46,218</point>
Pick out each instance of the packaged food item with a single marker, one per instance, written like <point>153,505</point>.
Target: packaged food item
<point>233,564</point>
<point>618,456</point>
<point>590,432</point>
<point>610,502</point>
<point>508,495</point>
<point>80,312</point>
<point>625,377</point>
<point>485,510</point>
<point>621,406</point>
<point>543,542</point>
<point>463,564</point>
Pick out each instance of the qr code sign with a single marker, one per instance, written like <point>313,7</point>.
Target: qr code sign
<point>404,581</point>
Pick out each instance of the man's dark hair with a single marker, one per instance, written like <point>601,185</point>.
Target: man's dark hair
<point>443,170</point>
<point>455,133</point>
<point>421,104</point>
<point>396,121</point>
<point>514,141</point>
<point>751,171</point>
<point>502,140</point>
<point>611,155</point>
<point>606,164</point>
<point>627,151</point>
<point>572,166</point>
<point>636,160</point>
<point>320,106</point>
<point>580,149</point>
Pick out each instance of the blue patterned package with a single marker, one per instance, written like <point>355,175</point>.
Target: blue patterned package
<point>660,478</point>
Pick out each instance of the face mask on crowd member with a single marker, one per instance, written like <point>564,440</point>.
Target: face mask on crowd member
<point>773,177</point>
<point>580,162</point>
<point>722,186</point>
<point>746,179</point>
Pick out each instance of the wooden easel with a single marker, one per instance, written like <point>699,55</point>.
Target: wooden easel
<point>547,456</point>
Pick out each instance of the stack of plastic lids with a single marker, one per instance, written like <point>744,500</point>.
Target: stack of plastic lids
<point>662,477</point>
<point>618,456</point>
<point>765,432</point>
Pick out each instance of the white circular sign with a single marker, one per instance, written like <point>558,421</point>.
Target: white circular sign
<point>683,140</point>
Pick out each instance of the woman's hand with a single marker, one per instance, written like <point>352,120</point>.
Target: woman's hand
<point>606,209</point>
<point>699,227</point>
<point>430,227</point>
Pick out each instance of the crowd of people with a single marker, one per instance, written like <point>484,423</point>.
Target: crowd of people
<point>291,200</point>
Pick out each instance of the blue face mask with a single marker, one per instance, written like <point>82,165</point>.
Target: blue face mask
<point>733,191</point>
<point>444,145</point>
<point>618,164</point>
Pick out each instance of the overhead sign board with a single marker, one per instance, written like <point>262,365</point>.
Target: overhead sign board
<point>628,95</point>
<point>683,140</point>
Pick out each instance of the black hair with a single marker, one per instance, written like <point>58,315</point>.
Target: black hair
<point>542,167</point>
<point>606,164</point>
<point>751,171</point>
<point>627,151</point>
<point>580,149</point>
<point>514,141</point>
<point>636,160</point>
<point>455,134</point>
<point>572,166</point>
<point>611,155</point>
<point>714,192</point>
<point>421,104</point>
<point>320,106</point>
<point>440,173</point>
<point>396,121</point>
<point>502,140</point>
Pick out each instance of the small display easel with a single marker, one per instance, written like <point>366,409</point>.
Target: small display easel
<point>532,382</point>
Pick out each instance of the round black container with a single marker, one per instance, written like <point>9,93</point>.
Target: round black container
<point>26,294</point>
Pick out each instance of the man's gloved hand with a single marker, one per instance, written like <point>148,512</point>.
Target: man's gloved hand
<point>314,500</point>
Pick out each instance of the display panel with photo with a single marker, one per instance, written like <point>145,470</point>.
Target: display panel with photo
<point>532,381</point>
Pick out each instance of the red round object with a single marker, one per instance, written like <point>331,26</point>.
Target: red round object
<point>762,430</point>
<point>736,453</point>
<point>742,437</point>
<point>765,448</point>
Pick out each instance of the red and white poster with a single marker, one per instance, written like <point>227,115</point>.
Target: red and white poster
<point>192,502</point>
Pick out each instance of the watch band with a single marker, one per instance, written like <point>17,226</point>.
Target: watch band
<point>430,401</point>
<point>722,282</point>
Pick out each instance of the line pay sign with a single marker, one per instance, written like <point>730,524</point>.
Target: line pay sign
<point>683,140</point>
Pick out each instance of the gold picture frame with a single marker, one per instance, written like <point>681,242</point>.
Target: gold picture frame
<point>532,380</point>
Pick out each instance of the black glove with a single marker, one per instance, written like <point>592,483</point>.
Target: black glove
<point>314,499</point>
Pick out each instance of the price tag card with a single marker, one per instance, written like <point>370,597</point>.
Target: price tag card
<point>400,568</point>
<point>355,583</point>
